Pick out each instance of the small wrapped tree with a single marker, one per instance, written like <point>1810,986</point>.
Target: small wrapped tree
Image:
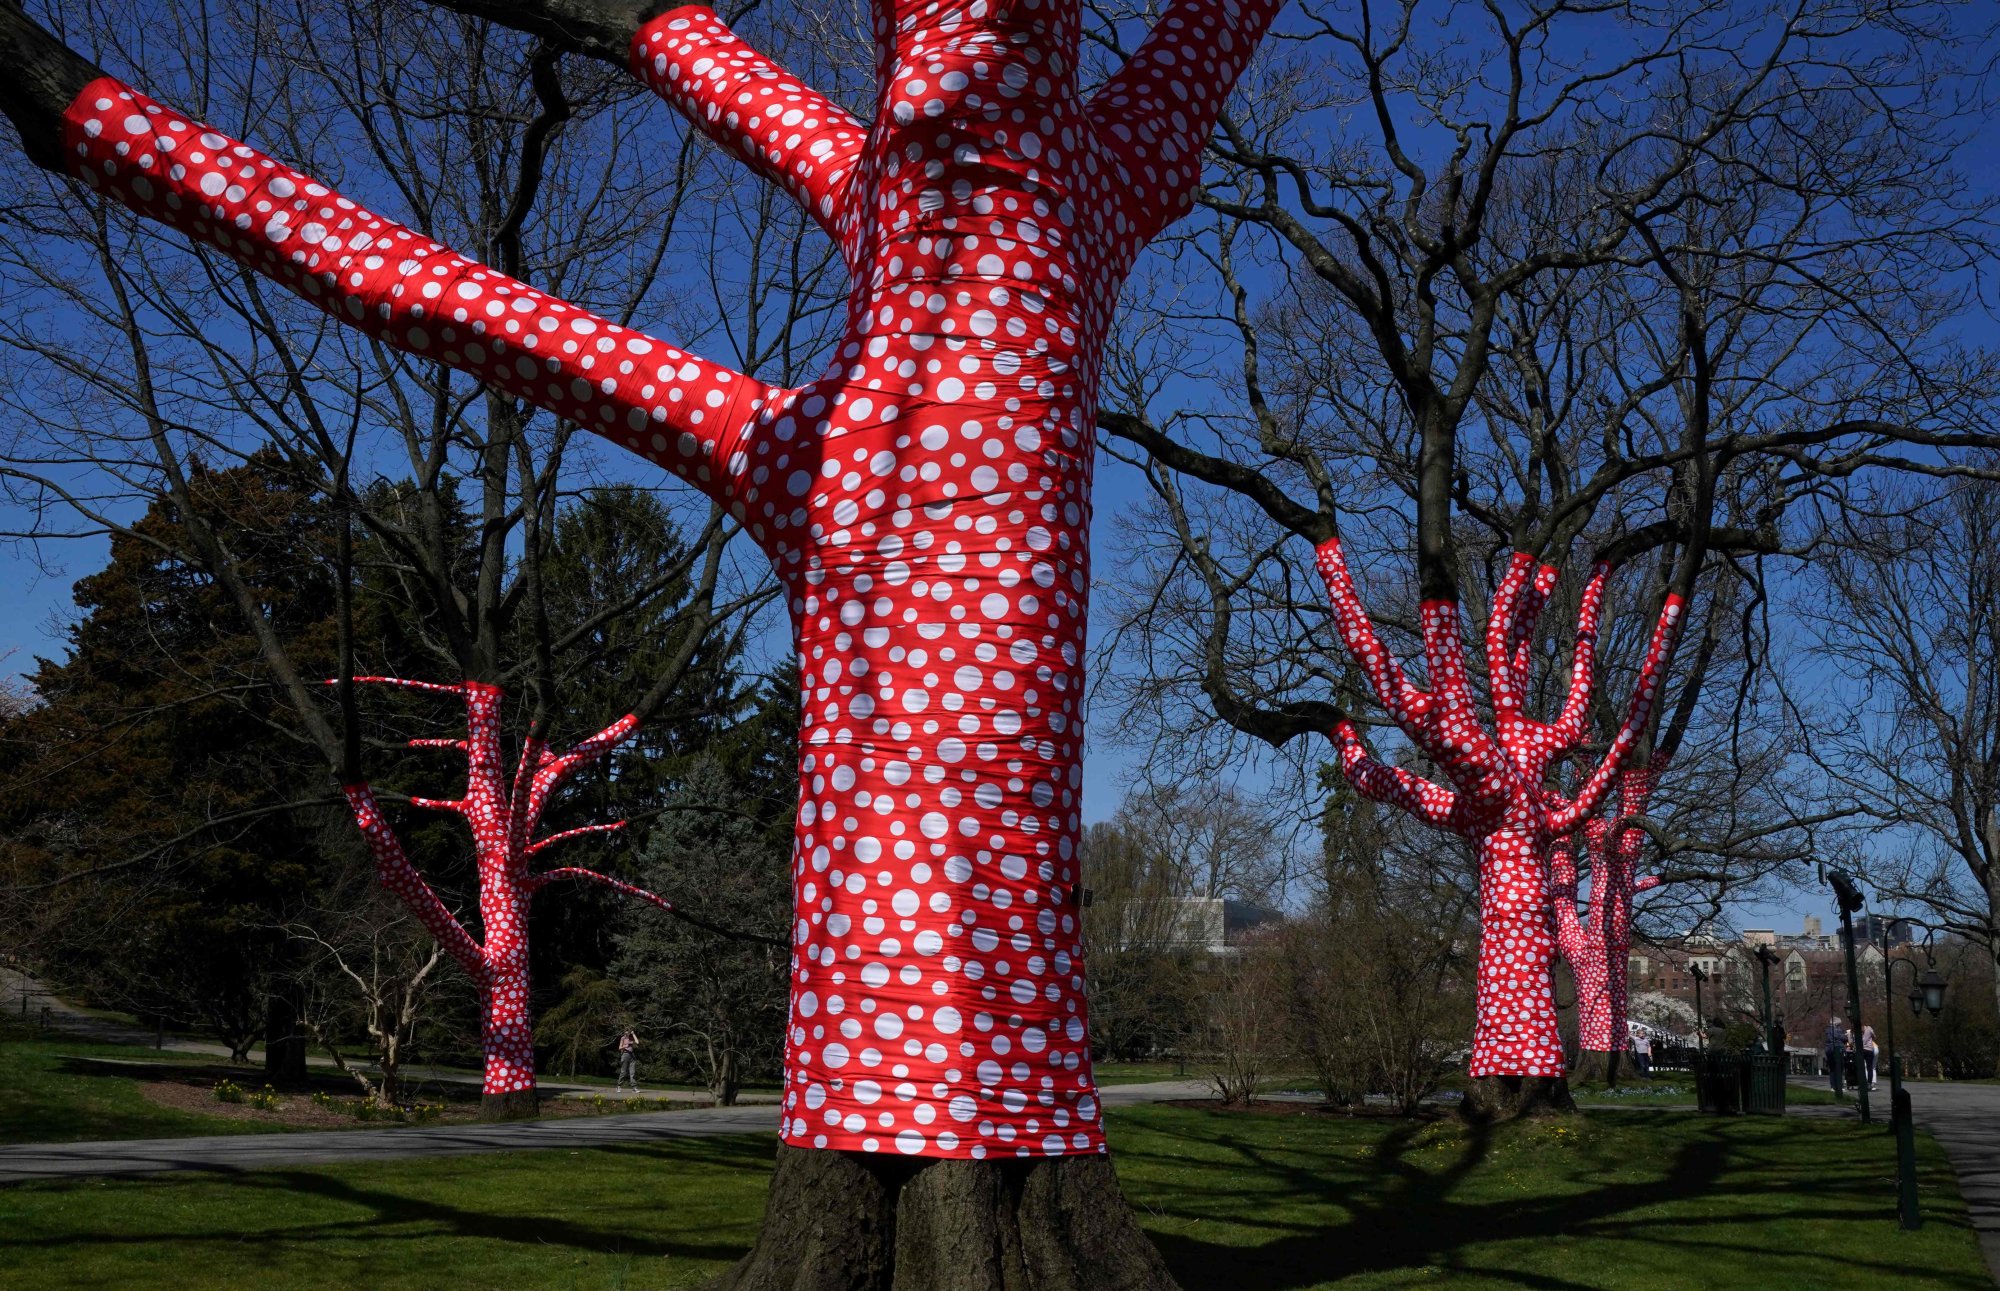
<point>1499,795</point>
<point>502,812</point>
<point>1594,938</point>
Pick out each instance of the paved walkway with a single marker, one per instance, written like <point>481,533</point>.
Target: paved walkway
<point>234,1152</point>
<point>29,999</point>
<point>1965,1119</point>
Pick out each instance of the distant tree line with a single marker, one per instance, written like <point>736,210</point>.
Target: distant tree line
<point>1352,971</point>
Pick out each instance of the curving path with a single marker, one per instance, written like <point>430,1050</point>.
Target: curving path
<point>1965,1120</point>
<point>233,1152</point>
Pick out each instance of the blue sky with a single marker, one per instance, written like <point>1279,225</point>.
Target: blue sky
<point>39,605</point>
<point>37,582</point>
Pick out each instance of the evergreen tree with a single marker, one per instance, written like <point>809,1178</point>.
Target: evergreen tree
<point>708,1002</point>
<point>143,798</point>
<point>613,623</point>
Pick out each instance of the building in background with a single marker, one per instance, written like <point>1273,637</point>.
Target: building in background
<point>1808,984</point>
<point>1215,925</point>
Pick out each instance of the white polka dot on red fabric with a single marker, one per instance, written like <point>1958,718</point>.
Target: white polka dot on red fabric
<point>1595,945</point>
<point>1497,796</point>
<point>926,504</point>
<point>502,813</point>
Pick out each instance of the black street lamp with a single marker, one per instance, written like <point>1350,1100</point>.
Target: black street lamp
<point>1700,1028</point>
<point>1767,959</point>
<point>1926,992</point>
<point>1848,896</point>
<point>1929,994</point>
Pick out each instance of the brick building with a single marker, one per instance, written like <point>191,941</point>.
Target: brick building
<point>1808,984</point>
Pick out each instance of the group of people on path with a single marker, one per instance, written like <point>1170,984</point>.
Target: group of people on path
<point>1839,1037</point>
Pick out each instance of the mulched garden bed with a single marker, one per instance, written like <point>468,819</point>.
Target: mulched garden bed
<point>190,1087</point>
<point>1267,1107</point>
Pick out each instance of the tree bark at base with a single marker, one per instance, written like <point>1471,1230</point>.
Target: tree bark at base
<point>847,1221</point>
<point>515,1105</point>
<point>1489,1099</point>
<point>1596,1065</point>
<point>284,1039</point>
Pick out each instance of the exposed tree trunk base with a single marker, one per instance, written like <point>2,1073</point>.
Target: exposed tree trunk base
<point>1596,1065</point>
<point>284,1040</point>
<point>1490,1099</point>
<point>850,1221</point>
<point>516,1105</point>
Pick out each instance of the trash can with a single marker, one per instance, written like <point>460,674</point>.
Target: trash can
<point>1718,1083</point>
<point>1764,1084</point>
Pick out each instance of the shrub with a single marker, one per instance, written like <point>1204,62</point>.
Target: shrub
<point>228,1091</point>
<point>264,1100</point>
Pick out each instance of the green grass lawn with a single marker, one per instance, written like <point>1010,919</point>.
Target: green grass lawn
<point>1675,1089</point>
<point>1643,1200</point>
<point>1613,1200</point>
<point>44,1098</point>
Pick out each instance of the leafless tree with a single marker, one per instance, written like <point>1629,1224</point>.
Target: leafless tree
<point>1208,840</point>
<point>137,359</point>
<point>1906,613</point>
<point>1379,968</point>
<point>1242,1033</point>
<point>367,970</point>
<point>1466,297</point>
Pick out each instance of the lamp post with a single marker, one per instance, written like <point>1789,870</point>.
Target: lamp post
<point>1767,959</point>
<point>1700,1028</point>
<point>1926,992</point>
<point>1848,896</point>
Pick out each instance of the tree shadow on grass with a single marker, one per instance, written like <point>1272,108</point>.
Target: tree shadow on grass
<point>389,1213</point>
<point>1409,1206</point>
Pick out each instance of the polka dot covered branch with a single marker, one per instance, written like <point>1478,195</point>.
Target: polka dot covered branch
<point>1498,798</point>
<point>1595,943</point>
<point>925,503</point>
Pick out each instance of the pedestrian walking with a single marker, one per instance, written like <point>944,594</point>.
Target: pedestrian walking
<point>1868,1055</point>
<point>628,1060</point>
<point>1642,1054</point>
<point>1835,1045</point>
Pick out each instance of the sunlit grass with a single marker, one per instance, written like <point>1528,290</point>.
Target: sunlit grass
<point>1249,1202</point>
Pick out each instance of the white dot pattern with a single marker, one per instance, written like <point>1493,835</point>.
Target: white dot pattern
<point>1498,799</point>
<point>1595,944</point>
<point>502,819</point>
<point>407,290</point>
<point>925,502</point>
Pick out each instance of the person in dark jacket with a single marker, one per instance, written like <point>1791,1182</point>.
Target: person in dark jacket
<point>1836,1057</point>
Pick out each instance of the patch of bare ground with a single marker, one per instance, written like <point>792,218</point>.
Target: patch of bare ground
<point>296,1110</point>
<point>293,1112</point>
<point>1263,1107</point>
